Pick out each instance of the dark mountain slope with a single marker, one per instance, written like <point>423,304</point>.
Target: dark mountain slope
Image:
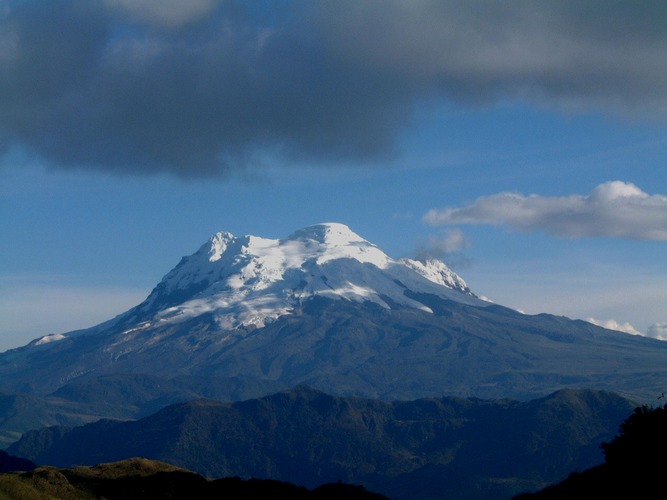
<point>307,437</point>
<point>363,349</point>
<point>634,463</point>
<point>121,396</point>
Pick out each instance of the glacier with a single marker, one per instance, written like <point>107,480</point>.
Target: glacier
<point>251,280</point>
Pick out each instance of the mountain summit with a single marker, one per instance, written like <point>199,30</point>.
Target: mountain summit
<point>250,280</point>
<point>246,316</point>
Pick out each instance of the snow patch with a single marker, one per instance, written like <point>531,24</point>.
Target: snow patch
<point>437,272</point>
<point>141,326</point>
<point>47,339</point>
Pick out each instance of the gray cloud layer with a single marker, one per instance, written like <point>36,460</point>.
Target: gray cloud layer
<point>204,87</point>
<point>614,209</point>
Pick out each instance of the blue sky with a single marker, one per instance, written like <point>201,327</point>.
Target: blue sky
<point>534,134</point>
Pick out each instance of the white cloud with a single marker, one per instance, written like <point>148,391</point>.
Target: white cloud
<point>614,209</point>
<point>657,331</point>
<point>612,324</point>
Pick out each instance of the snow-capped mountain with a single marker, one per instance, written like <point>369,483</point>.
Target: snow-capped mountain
<point>246,316</point>
<point>250,280</point>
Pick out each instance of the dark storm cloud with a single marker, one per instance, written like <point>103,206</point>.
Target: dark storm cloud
<point>577,53</point>
<point>205,87</point>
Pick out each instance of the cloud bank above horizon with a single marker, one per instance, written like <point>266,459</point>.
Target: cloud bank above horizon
<point>614,209</point>
<point>656,331</point>
<point>211,87</point>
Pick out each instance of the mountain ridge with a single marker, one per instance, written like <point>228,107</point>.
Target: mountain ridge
<point>307,437</point>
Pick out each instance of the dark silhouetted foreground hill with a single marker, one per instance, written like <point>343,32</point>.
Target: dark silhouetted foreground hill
<point>435,447</point>
<point>143,479</point>
<point>634,464</point>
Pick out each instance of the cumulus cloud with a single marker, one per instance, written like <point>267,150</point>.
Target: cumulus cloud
<point>612,324</point>
<point>614,209</point>
<point>657,331</point>
<point>208,86</point>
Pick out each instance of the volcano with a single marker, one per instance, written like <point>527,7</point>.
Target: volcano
<point>247,316</point>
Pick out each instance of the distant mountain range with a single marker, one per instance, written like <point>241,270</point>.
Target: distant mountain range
<point>247,316</point>
<point>439,448</point>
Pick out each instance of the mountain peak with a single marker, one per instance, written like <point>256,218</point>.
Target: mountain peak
<point>250,280</point>
<point>330,233</point>
<point>218,245</point>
